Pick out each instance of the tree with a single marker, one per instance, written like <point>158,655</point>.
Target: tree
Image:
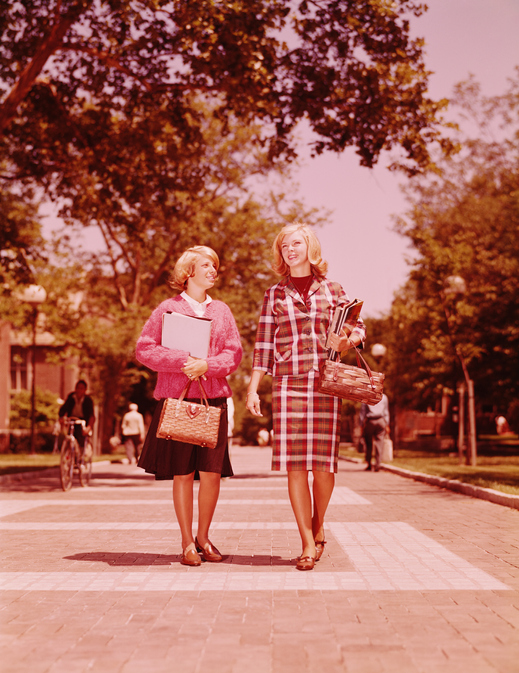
<point>349,68</point>
<point>146,119</point>
<point>464,223</point>
<point>100,301</point>
<point>21,245</point>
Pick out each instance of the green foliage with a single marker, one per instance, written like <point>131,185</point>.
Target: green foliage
<point>46,405</point>
<point>110,73</point>
<point>98,303</point>
<point>464,222</point>
<point>146,120</point>
<point>21,244</point>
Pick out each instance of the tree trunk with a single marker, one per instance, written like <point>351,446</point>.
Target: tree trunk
<point>26,80</point>
<point>111,392</point>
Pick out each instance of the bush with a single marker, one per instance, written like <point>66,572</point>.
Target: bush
<point>47,408</point>
<point>20,441</point>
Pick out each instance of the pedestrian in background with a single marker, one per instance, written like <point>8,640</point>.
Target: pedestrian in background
<point>194,274</point>
<point>374,420</point>
<point>132,430</point>
<point>290,343</point>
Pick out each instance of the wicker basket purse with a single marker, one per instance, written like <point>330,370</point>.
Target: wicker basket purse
<point>359,383</point>
<point>190,422</point>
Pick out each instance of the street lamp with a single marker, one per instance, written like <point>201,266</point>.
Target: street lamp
<point>378,351</point>
<point>34,295</point>
<point>455,286</point>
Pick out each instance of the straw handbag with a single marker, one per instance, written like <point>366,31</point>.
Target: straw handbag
<point>190,422</point>
<point>359,383</point>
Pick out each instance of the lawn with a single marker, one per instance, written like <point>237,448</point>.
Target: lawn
<point>12,463</point>
<point>500,473</point>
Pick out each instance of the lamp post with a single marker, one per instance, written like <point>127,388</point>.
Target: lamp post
<point>34,295</point>
<point>455,286</point>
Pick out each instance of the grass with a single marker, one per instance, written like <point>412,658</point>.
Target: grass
<point>12,463</point>
<point>500,473</point>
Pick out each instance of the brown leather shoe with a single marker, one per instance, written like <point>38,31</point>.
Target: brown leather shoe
<point>319,549</point>
<point>190,558</point>
<point>208,553</point>
<point>305,563</point>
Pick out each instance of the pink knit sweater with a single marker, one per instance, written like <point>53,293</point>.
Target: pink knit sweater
<point>225,351</point>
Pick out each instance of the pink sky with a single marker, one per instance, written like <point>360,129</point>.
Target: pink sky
<point>364,254</point>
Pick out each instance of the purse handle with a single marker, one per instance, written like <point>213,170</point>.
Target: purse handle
<point>203,396</point>
<point>360,363</point>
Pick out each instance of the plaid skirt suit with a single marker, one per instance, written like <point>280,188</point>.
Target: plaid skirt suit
<point>290,343</point>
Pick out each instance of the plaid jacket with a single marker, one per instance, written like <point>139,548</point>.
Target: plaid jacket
<point>291,336</point>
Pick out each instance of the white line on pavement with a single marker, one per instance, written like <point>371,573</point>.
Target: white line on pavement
<point>291,580</point>
<point>341,496</point>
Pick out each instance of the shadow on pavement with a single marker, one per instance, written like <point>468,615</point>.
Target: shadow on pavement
<point>135,559</point>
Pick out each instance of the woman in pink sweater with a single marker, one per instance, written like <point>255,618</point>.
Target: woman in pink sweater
<point>194,274</point>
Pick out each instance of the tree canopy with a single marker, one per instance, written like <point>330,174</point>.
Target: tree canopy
<point>464,223</point>
<point>349,68</point>
<point>99,300</point>
<point>146,120</point>
<point>21,244</point>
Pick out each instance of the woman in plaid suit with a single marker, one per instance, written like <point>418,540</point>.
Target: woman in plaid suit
<point>290,343</point>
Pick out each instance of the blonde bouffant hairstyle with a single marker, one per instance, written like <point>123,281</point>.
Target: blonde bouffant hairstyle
<point>317,263</point>
<point>185,266</point>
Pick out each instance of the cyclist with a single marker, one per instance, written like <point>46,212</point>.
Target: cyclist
<point>79,405</point>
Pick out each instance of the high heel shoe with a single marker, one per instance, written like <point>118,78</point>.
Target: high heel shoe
<point>319,549</point>
<point>305,563</point>
<point>209,552</point>
<point>190,558</point>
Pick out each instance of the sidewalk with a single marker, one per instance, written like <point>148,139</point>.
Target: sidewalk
<point>414,579</point>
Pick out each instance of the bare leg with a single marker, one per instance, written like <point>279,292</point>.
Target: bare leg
<point>183,503</point>
<point>322,489</point>
<point>301,501</point>
<point>207,499</point>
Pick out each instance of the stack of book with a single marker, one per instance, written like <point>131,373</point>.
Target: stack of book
<point>344,321</point>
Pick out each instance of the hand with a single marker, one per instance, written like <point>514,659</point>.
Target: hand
<point>195,368</point>
<point>253,404</point>
<point>340,342</point>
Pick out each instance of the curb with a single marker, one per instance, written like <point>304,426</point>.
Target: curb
<point>489,494</point>
<point>30,475</point>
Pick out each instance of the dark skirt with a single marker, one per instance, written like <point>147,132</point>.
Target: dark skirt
<point>165,457</point>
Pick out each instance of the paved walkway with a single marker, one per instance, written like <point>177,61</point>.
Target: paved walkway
<point>414,579</point>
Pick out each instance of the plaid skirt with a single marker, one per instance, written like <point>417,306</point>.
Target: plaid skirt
<point>306,425</point>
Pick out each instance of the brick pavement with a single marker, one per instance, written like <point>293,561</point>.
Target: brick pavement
<point>414,578</point>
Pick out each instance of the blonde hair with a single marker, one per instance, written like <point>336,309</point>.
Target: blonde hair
<point>319,266</point>
<point>185,266</point>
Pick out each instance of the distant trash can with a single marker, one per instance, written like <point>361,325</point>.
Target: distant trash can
<point>387,450</point>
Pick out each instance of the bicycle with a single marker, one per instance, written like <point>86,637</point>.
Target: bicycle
<point>74,458</point>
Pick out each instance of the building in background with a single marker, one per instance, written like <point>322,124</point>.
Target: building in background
<point>16,370</point>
